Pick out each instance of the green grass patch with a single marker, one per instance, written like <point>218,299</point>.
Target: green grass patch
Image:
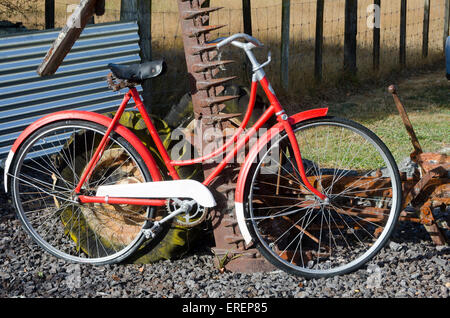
<point>427,101</point>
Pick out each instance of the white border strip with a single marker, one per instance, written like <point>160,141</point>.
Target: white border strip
<point>241,222</point>
<point>7,166</point>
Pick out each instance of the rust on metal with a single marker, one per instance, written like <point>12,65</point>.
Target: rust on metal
<point>211,83</point>
<point>431,161</point>
<point>190,14</point>
<point>202,67</point>
<point>208,102</point>
<point>431,189</point>
<point>116,84</point>
<point>429,222</point>
<point>217,100</point>
<point>409,128</point>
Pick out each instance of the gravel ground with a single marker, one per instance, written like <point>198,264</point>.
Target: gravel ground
<point>409,266</point>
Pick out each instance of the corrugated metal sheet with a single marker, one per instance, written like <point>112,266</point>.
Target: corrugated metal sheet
<point>80,82</point>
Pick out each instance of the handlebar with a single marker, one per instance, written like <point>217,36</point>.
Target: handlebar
<point>233,40</point>
<point>247,47</point>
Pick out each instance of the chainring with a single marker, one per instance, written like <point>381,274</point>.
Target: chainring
<point>190,219</point>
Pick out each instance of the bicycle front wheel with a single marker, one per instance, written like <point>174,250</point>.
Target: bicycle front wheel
<point>44,174</point>
<point>303,235</point>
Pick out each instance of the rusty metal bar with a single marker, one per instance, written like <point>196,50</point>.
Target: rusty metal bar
<point>208,102</point>
<point>433,186</point>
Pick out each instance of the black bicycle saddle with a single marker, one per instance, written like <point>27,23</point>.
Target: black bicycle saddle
<point>137,73</point>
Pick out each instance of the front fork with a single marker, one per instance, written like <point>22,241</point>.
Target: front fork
<point>298,156</point>
<point>284,119</point>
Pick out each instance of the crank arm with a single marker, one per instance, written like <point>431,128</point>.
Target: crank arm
<point>153,231</point>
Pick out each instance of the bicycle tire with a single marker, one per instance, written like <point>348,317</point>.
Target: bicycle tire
<point>276,233</point>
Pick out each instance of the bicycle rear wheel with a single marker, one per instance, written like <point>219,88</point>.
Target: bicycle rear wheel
<point>303,235</point>
<point>44,174</point>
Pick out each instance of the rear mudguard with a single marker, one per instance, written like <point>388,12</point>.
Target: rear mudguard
<point>89,116</point>
<point>251,159</point>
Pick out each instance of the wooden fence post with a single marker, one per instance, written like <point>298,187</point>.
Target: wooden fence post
<point>144,17</point>
<point>403,11</point>
<point>49,14</point>
<point>141,10</point>
<point>285,32</point>
<point>446,21</point>
<point>145,28</point>
<point>426,27</point>
<point>318,56</point>
<point>351,31</point>
<point>376,39</point>
<point>128,10</point>
<point>247,16</point>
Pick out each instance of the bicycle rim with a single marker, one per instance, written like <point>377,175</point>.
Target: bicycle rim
<point>303,235</point>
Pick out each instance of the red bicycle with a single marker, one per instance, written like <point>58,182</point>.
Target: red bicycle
<point>88,190</point>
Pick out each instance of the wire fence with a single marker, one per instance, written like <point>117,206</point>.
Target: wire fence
<point>267,26</point>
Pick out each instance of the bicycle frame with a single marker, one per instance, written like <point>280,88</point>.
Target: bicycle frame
<point>45,160</point>
<point>274,109</point>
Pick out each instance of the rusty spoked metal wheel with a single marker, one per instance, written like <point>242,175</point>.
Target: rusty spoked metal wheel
<point>46,171</point>
<point>306,236</point>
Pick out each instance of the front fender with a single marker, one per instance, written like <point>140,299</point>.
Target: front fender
<point>88,116</point>
<point>251,159</point>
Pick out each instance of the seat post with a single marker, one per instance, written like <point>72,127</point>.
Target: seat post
<point>154,133</point>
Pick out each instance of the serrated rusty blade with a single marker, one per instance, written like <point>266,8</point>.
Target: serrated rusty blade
<point>190,14</point>
<point>195,50</point>
<point>221,117</point>
<point>202,67</point>
<point>196,31</point>
<point>217,100</point>
<point>203,85</point>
